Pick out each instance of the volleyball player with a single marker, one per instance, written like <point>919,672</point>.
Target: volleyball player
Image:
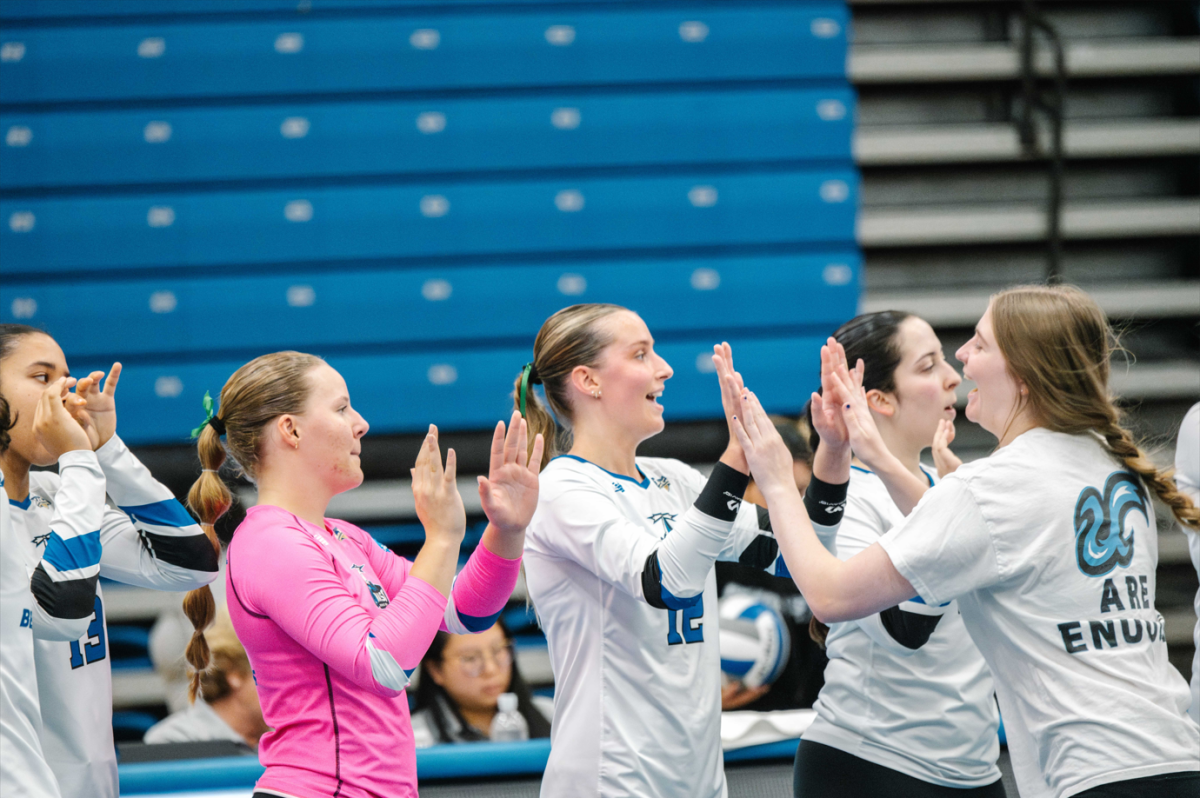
<point>908,707</point>
<point>56,603</point>
<point>150,541</point>
<point>1187,477</point>
<point>332,621</point>
<point>618,560</point>
<point>1049,546</point>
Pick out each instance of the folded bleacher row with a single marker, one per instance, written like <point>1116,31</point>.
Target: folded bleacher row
<point>409,189</point>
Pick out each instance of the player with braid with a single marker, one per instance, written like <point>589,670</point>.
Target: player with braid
<point>1049,546</point>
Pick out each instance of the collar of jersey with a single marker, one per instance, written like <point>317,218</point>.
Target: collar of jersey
<point>645,483</point>
<point>866,471</point>
<point>21,505</point>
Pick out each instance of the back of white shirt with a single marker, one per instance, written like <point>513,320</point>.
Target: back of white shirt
<point>1187,478</point>
<point>637,689</point>
<point>1051,548</point>
<point>929,713</point>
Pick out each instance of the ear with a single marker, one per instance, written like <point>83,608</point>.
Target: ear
<point>434,671</point>
<point>583,379</point>
<point>881,402</point>
<point>289,430</point>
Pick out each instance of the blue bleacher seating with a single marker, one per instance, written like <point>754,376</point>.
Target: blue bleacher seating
<point>424,50</point>
<point>340,224</point>
<point>142,146</point>
<point>462,388</point>
<point>339,310</point>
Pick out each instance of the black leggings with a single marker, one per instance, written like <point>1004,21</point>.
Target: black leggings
<point>1185,784</point>
<point>826,772</point>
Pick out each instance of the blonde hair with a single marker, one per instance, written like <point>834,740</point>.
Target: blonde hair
<point>227,656</point>
<point>264,389</point>
<point>1058,342</point>
<point>567,339</point>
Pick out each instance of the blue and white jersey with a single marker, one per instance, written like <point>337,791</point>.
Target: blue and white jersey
<point>905,688</point>
<point>62,580</point>
<point>1050,547</point>
<point>620,573</point>
<point>150,541</point>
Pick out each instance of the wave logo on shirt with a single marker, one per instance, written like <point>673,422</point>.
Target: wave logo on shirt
<point>666,519</point>
<point>1102,538</point>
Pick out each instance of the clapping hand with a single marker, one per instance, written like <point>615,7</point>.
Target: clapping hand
<point>53,422</point>
<point>97,413</point>
<point>865,440</point>
<point>731,388</point>
<point>768,456</point>
<point>947,462</point>
<point>435,492</point>
<point>827,417</point>
<point>509,492</point>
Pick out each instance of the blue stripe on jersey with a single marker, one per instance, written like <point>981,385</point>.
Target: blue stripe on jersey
<point>21,505</point>
<point>164,513</point>
<point>81,551</point>
<point>674,602</point>
<point>475,623</point>
<point>781,568</point>
<point>645,482</point>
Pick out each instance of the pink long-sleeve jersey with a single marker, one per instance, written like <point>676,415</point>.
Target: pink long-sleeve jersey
<point>333,624</point>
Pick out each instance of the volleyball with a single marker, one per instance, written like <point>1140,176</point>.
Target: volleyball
<point>754,641</point>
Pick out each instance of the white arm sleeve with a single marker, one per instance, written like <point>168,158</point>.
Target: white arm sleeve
<point>151,540</point>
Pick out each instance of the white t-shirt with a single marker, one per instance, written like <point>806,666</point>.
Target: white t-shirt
<point>637,703</point>
<point>23,767</point>
<point>1187,478</point>
<point>150,542</point>
<point>929,712</point>
<point>198,723</point>
<point>1050,548</point>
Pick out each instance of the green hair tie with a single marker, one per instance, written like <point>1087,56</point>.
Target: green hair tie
<point>210,418</point>
<point>528,377</point>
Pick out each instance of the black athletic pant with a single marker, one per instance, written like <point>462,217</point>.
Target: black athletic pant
<point>1168,785</point>
<point>826,772</point>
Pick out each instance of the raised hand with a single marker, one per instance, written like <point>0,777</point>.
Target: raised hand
<point>731,388</point>
<point>509,492</point>
<point>768,456</point>
<point>826,406</point>
<point>99,412</point>
<point>947,462</point>
<point>861,429</point>
<point>435,492</point>
<point>53,423</point>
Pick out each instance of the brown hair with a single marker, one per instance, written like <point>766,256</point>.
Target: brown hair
<point>228,656</point>
<point>567,339</point>
<point>265,388</point>
<point>1058,342</point>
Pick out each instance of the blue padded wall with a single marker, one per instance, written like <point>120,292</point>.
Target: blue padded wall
<point>410,188</point>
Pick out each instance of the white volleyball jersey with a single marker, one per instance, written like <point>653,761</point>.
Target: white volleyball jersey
<point>1050,547</point>
<point>151,541</point>
<point>637,689</point>
<point>75,548</point>
<point>1187,478</point>
<point>928,712</point>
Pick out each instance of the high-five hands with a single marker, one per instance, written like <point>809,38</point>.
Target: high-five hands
<point>860,425</point>
<point>730,388</point>
<point>97,412</point>
<point>509,492</point>
<point>435,492</point>
<point>53,422</point>
<point>827,405</point>
<point>768,456</point>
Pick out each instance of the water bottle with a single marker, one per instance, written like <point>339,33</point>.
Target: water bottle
<point>509,725</point>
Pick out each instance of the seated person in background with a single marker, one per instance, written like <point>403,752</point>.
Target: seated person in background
<point>803,675</point>
<point>227,707</point>
<point>462,676</point>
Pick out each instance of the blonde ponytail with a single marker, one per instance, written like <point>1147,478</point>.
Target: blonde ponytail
<point>209,498</point>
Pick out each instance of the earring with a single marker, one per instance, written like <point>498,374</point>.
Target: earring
<point>596,393</point>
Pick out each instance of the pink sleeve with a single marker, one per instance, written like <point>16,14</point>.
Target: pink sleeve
<point>480,592</point>
<point>288,578</point>
<point>391,568</point>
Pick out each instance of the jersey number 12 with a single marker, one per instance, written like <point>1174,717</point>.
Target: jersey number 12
<point>692,625</point>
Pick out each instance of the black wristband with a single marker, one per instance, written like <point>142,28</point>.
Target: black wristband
<point>825,502</point>
<point>722,494</point>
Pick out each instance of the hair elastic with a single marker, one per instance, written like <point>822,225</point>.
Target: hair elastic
<point>528,377</point>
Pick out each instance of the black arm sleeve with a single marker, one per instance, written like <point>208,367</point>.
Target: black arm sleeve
<point>825,502</point>
<point>652,582</point>
<point>909,629</point>
<point>70,598</point>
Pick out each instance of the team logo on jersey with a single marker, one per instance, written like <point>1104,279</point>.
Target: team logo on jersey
<point>40,540</point>
<point>377,594</point>
<point>338,534</point>
<point>39,501</point>
<point>618,487</point>
<point>1103,540</point>
<point>666,519</point>
<point>663,482</point>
